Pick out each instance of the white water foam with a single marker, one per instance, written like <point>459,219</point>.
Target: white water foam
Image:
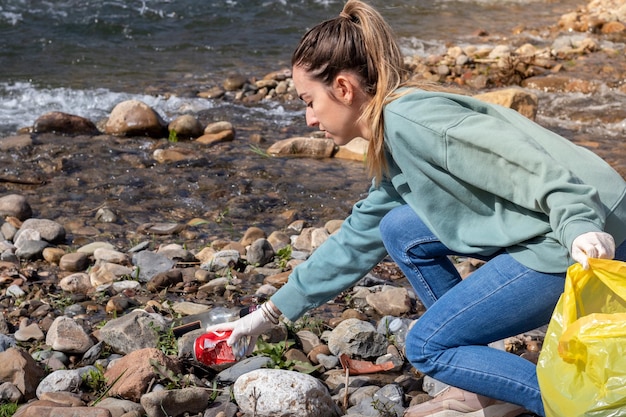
<point>22,103</point>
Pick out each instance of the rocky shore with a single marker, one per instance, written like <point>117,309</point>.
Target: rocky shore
<point>89,327</point>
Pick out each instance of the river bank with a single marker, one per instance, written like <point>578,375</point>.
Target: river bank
<point>89,291</point>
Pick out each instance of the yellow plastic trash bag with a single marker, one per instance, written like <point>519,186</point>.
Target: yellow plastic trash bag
<point>582,365</point>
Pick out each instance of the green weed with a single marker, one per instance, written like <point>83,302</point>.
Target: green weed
<point>7,410</point>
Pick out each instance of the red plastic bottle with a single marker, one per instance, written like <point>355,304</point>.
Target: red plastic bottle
<point>211,349</point>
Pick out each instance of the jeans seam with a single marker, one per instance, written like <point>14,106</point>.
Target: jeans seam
<point>407,261</point>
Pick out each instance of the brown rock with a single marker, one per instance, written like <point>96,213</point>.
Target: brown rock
<point>74,262</point>
<point>557,83</point>
<point>234,82</point>
<point>355,150</point>
<point>514,98</point>
<point>20,369</point>
<point>136,371</point>
<point>35,410</point>
<point>186,127</point>
<point>351,313</point>
<point>218,127</point>
<point>303,146</point>
<point>613,27</point>
<point>164,280</point>
<point>164,156</point>
<point>213,138</point>
<point>253,233</point>
<point>317,350</point>
<point>134,118</point>
<point>66,335</point>
<point>277,280</point>
<point>53,255</point>
<point>212,93</point>
<point>296,355</point>
<point>332,226</point>
<point>392,301</point>
<point>63,398</point>
<point>64,124</point>
<point>279,75</point>
<point>15,142</point>
<point>279,240</point>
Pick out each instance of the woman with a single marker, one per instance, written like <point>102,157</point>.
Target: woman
<point>451,176</point>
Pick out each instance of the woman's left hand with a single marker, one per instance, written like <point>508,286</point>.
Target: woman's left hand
<point>593,245</point>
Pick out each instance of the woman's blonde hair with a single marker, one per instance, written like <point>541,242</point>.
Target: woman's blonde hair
<point>361,42</point>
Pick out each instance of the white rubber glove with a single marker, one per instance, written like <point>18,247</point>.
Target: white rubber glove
<point>593,245</point>
<point>251,325</point>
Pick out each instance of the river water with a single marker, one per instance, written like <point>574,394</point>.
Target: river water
<point>84,56</point>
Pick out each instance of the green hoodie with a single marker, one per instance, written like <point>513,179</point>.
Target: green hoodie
<point>482,177</point>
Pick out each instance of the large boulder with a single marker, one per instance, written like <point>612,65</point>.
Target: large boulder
<point>135,118</point>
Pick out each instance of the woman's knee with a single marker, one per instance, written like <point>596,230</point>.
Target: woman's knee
<point>418,350</point>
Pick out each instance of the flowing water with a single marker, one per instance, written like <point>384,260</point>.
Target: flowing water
<point>84,56</point>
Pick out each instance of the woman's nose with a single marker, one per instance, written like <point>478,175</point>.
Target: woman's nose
<point>311,120</point>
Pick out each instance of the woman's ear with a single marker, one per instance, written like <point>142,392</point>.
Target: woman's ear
<point>345,88</point>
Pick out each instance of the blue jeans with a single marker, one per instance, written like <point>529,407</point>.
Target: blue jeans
<point>502,298</point>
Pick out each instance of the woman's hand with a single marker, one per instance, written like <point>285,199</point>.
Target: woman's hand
<point>593,245</point>
<point>252,325</point>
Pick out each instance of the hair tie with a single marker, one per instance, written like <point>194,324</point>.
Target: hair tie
<point>352,18</point>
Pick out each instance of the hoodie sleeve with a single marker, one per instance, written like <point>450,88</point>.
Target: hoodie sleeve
<point>343,259</point>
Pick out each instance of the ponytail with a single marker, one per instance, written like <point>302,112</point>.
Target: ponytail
<point>361,42</point>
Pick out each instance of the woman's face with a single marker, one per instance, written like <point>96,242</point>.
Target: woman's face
<point>335,109</point>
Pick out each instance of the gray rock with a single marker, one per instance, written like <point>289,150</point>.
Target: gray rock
<point>45,356</point>
<point>177,253</point>
<point>15,205</point>
<point>221,259</point>
<point>90,357</point>
<point>230,375</point>
<point>49,230</point>
<point>362,394</point>
<point>6,342</point>
<point>24,236</point>
<point>9,393</point>
<point>357,338</point>
<point>175,403</point>
<point>15,291</point>
<point>31,249</point>
<point>328,361</point>
<point>8,230</point>
<point>390,398</point>
<point>221,407</point>
<point>63,380</point>
<point>260,252</point>
<point>150,264</point>
<point>134,331</point>
<point>104,254</point>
